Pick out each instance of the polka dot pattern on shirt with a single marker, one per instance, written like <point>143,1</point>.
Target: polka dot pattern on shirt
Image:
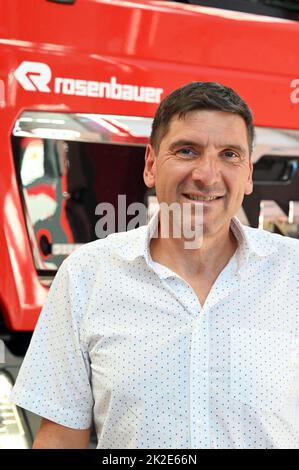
<point>125,340</point>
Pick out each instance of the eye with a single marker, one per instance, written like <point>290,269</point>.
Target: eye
<point>186,152</point>
<point>230,155</point>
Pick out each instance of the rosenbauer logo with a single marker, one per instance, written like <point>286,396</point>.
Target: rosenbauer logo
<point>36,76</point>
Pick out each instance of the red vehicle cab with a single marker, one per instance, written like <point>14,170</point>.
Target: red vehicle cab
<point>79,84</point>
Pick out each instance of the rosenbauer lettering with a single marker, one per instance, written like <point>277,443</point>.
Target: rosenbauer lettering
<point>36,76</point>
<point>111,90</point>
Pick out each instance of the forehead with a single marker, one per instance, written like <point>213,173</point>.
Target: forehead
<point>207,126</point>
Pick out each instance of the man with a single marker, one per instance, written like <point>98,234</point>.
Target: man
<point>166,346</point>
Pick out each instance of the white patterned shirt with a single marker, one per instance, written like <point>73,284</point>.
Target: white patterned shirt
<point>124,341</point>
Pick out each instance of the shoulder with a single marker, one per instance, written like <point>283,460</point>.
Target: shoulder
<point>116,245</point>
<point>97,267</point>
<point>266,241</point>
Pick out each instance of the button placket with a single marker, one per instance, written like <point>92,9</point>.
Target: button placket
<point>199,384</point>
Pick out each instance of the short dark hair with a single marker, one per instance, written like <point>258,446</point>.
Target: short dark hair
<point>196,96</point>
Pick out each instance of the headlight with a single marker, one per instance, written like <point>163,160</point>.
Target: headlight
<point>12,426</point>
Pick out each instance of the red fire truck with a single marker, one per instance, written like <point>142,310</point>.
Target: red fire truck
<point>79,83</point>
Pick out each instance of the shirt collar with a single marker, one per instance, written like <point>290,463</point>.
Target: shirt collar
<point>250,242</point>
<point>140,240</point>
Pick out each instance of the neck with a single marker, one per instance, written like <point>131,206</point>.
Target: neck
<point>213,254</point>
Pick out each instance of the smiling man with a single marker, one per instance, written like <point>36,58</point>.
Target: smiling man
<point>164,346</point>
<point>200,157</point>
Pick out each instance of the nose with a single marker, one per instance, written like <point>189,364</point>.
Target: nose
<point>206,170</point>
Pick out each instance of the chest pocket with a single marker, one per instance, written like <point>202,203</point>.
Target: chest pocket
<point>264,368</point>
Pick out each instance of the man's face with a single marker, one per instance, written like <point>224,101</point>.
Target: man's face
<point>205,154</point>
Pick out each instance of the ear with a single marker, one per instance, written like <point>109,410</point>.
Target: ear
<point>249,182</point>
<point>149,173</point>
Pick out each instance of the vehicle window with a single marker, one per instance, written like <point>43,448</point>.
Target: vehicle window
<point>62,181</point>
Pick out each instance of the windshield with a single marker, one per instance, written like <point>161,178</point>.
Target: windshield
<point>67,164</point>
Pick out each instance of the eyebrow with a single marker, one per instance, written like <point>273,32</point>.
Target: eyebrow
<point>192,143</point>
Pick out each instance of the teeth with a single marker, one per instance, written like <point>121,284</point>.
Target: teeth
<point>200,198</point>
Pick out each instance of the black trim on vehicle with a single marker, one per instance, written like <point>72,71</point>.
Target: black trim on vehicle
<point>63,2</point>
<point>286,9</point>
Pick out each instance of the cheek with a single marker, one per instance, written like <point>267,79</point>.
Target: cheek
<point>237,181</point>
<point>171,174</point>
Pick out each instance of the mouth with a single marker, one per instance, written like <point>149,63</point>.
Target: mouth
<point>202,199</point>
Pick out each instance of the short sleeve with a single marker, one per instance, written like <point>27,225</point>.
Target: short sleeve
<point>54,379</point>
